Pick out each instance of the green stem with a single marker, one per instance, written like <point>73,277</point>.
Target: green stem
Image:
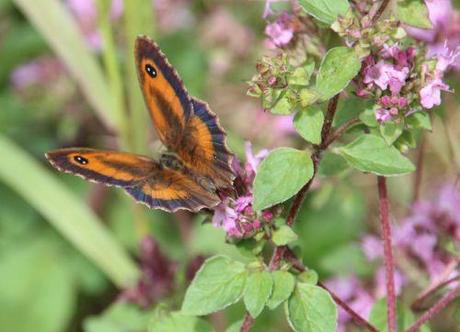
<point>113,73</point>
<point>139,20</point>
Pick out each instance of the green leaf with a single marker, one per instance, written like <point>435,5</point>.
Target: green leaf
<point>338,67</point>
<point>282,106</point>
<point>368,117</point>
<point>419,120</point>
<point>61,31</point>
<point>405,318</point>
<point>325,10</point>
<point>308,97</point>
<point>332,164</point>
<point>309,123</point>
<point>37,292</point>
<point>258,289</point>
<point>302,75</point>
<point>178,322</point>
<point>309,277</point>
<point>280,176</point>
<point>119,317</point>
<point>346,260</point>
<point>311,309</point>
<point>283,286</point>
<point>350,108</point>
<point>283,235</point>
<point>218,283</point>
<point>391,131</point>
<point>414,13</point>
<point>235,327</point>
<point>66,212</point>
<point>370,153</point>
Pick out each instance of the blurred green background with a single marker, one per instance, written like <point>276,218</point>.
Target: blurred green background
<point>67,78</point>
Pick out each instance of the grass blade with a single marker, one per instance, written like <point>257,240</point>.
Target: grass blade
<point>65,212</point>
<point>60,30</point>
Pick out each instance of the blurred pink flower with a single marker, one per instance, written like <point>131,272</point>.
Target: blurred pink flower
<point>280,33</point>
<point>419,234</point>
<point>445,31</point>
<point>157,275</point>
<point>173,15</point>
<point>40,71</point>
<point>86,14</point>
<point>351,290</point>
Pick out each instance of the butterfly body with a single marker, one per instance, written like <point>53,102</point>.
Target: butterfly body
<point>195,168</point>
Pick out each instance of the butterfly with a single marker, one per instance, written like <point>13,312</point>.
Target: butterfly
<point>195,169</point>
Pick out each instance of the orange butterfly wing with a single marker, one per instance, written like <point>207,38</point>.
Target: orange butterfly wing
<point>184,124</point>
<point>164,93</point>
<point>144,179</point>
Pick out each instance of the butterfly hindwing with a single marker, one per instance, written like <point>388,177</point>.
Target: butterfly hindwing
<point>203,148</point>
<point>144,179</point>
<point>105,166</point>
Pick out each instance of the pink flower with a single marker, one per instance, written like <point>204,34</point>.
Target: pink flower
<point>384,115</point>
<point>372,247</point>
<point>445,31</point>
<point>386,75</point>
<point>440,15</point>
<point>351,290</point>
<point>430,94</point>
<point>253,161</point>
<point>279,32</point>
<point>86,14</point>
<point>41,71</point>
<point>446,58</point>
<point>235,215</point>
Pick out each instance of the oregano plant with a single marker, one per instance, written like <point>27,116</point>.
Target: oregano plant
<point>324,53</point>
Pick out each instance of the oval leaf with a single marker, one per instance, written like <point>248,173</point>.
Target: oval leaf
<point>414,13</point>
<point>283,286</point>
<point>217,284</point>
<point>283,235</point>
<point>311,309</point>
<point>325,10</point>
<point>280,176</point>
<point>309,123</point>
<point>178,322</point>
<point>258,290</point>
<point>391,131</point>
<point>338,67</point>
<point>370,153</point>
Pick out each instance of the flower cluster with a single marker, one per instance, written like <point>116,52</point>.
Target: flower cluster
<point>86,14</point>
<point>422,238</point>
<point>425,236</point>
<point>157,275</point>
<point>235,215</point>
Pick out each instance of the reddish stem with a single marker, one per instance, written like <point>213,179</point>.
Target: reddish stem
<point>417,305</point>
<point>247,323</point>
<point>388,254</point>
<point>435,309</point>
<point>379,11</point>
<point>360,321</point>
<point>419,170</point>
